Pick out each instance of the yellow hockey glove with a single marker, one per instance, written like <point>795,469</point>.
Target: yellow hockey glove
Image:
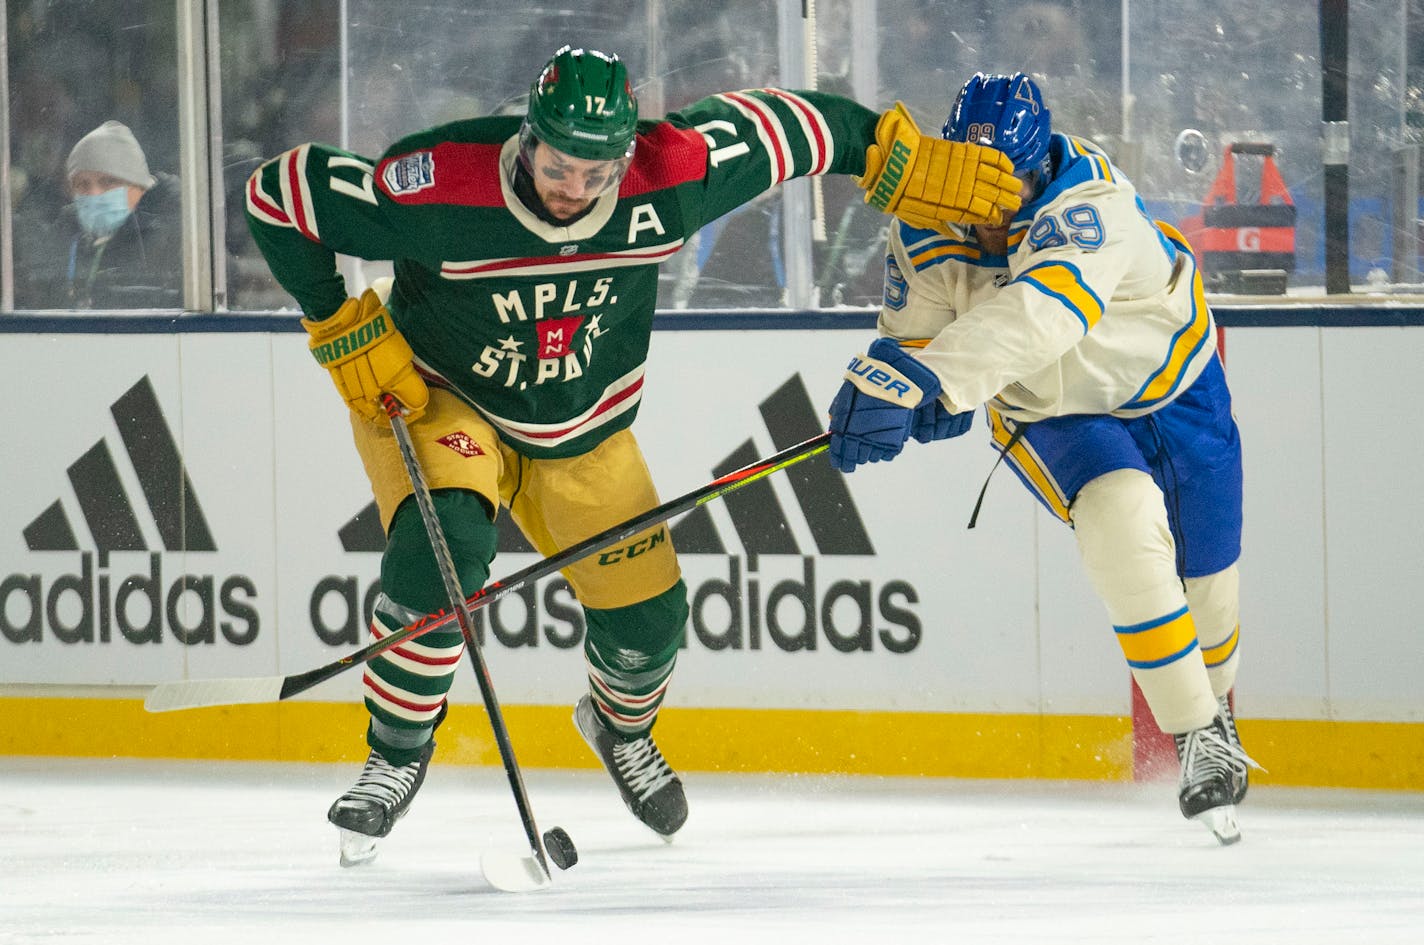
<point>924,180</point>
<point>367,357</point>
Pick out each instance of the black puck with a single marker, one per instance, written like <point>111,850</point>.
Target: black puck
<point>560,847</point>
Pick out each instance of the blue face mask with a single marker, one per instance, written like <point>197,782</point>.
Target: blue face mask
<point>101,214</point>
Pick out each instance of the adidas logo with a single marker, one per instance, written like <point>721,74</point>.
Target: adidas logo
<point>748,613</point>
<point>86,607</point>
<point>103,501</point>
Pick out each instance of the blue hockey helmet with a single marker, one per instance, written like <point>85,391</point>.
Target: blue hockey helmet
<point>1004,112</point>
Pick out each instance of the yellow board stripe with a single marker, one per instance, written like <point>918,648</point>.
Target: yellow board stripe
<point>1158,642</point>
<point>734,740</point>
<point>1377,755</point>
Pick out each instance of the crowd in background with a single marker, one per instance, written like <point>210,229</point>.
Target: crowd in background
<point>1233,74</point>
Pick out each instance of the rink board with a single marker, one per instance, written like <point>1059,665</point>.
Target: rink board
<point>897,626</point>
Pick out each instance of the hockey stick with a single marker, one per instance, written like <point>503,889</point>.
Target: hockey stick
<point>199,693</point>
<point>521,873</point>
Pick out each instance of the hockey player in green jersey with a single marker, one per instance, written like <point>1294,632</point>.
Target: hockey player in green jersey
<point>515,333</point>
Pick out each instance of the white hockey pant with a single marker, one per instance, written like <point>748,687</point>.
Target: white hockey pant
<point>1169,636</point>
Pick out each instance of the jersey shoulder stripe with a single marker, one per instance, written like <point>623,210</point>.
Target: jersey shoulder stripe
<point>297,193</point>
<point>468,173</point>
<point>927,248</point>
<point>458,173</point>
<point>1097,162</point>
<point>665,156</point>
<point>263,206</point>
<point>1063,282</point>
<point>1186,343</point>
<point>813,127</point>
<point>1077,162</point>
<point>769,131</point>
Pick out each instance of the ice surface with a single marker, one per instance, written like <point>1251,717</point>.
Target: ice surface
<point>125,852</point>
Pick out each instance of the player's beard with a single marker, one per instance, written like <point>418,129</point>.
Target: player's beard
<point>565,209</point>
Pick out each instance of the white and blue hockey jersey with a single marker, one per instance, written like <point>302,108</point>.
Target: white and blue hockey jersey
<point>1095,309</point>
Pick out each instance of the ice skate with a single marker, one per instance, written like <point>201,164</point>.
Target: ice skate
<point>649,787</point>
<point>1214,775</point>
<point>370,807</point>
<point>1240,770</point>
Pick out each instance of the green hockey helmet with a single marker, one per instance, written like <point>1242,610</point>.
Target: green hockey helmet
<point>583,104</point>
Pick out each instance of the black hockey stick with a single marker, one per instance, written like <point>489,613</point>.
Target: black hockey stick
<point>519,873</point>
<point>199,693</point>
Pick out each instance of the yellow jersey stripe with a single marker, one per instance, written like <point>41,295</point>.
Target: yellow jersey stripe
<point>1063,282</point>
<point>939,251</point>
<point>1185,344</point>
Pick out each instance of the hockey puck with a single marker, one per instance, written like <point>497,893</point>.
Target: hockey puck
<point>560,847</point>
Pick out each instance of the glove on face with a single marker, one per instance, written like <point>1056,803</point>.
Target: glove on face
<point>872,413</point>
<point>925,180</point>
<point>367,356</point>
<point>933,422</point>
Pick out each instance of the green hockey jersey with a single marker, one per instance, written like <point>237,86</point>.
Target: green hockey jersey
<point>543,328</point>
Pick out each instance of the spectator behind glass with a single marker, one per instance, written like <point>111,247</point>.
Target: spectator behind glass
<point>124,249</point>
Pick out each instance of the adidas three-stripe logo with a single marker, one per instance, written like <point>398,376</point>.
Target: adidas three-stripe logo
<point>105,504</point>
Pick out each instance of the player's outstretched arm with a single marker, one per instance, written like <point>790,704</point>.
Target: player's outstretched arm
<point>925,180</point>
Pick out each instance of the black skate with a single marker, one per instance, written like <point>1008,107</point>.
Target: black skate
<point>1239,771</point>
<point>1214,774</point>
<point>370,807</point>
<point>649,787</point>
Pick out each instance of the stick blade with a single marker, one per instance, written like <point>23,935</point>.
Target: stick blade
<point>199,693</point>
<point>510,873</point>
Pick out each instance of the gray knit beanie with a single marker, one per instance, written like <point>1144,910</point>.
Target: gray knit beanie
<point>111,149</point>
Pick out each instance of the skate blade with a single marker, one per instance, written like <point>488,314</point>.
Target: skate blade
<point>1221,821</point>
<point>509,873</point>
<point>356,848</point>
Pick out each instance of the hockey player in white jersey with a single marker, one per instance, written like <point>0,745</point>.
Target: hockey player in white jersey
<point>1082,325</point>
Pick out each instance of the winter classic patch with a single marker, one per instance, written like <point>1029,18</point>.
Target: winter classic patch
<point>409,173</point>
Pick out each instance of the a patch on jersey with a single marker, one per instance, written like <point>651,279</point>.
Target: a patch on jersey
<point>1001,280</point>
<point>409,173</point>
<point>569,249</point>
<point>462,443</point>
<point>897,290</point>
<point>556,336</point>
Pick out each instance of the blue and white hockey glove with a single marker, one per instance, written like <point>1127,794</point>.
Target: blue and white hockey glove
<point>933,422</point>
<point>872,413</point>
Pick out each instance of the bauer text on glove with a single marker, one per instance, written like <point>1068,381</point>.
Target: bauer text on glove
<point>873,412</point>
<point>367,357</point>
<point>925,180</point>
